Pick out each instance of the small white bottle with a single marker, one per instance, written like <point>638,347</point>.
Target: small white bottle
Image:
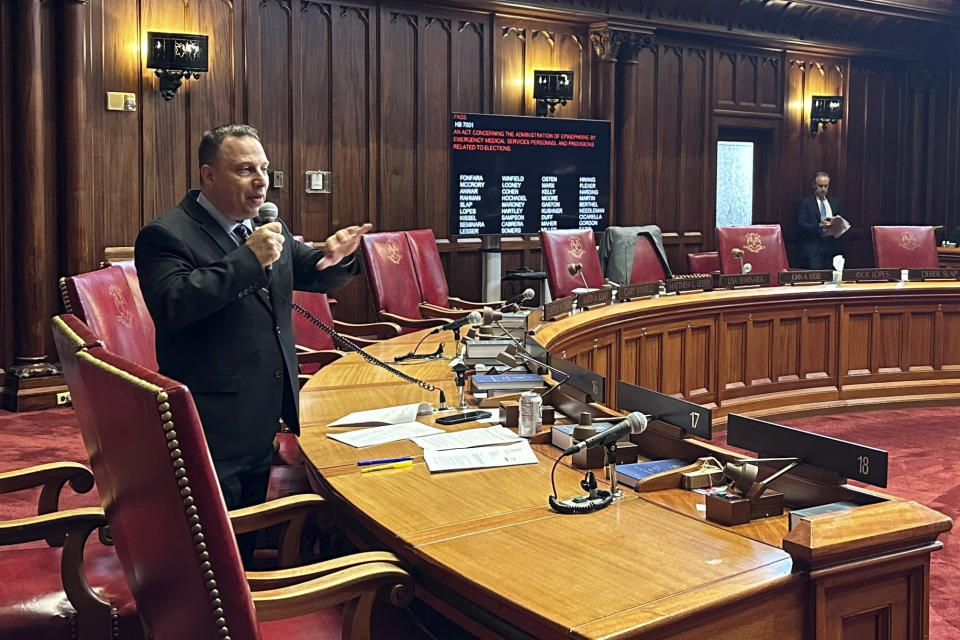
<point>531,417</point>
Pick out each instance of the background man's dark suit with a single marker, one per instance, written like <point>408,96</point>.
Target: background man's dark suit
<point>218,332</point>
<point>817,250</point>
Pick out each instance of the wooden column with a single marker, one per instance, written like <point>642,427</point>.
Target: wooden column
<point>603,94</point>
<point>77,234</point>
<point>31,373</point>
<point>627,82</point>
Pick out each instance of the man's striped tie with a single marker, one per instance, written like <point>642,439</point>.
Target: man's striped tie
<point>242,233</point>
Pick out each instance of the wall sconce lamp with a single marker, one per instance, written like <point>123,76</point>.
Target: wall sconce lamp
<point>551,88</point>
<point>824,110</point>
<point>175,56</point>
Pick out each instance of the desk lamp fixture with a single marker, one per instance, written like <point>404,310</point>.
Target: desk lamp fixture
<point>175,56</point>
<point>551,88</point>
<point>824,110</point>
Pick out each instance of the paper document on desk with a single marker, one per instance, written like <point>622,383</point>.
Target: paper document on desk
<point>468,438</point>
<point>837,227</point>
<point>384,434</point>
<point>387,415</point>
<point>480,457</point>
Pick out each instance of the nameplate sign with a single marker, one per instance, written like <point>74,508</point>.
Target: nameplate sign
<point>817,276</point>
<point>594,298</point>
<point>639,290</point>
<point>534,319</point>
<point>731,280</point>
<point>919,275</point>
<point>558,308</point>
<point>692,282</point>
<point>866,275</point>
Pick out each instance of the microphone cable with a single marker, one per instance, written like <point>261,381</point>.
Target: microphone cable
<point>351,346</point>
<point>589,483</point>
<point>413,354</point>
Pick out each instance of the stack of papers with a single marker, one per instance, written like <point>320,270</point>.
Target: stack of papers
<point>480,457</point>
<point>388,415</point>
<point>382,435</point>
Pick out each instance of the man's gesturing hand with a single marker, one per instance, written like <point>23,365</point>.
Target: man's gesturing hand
<point>341,244</point>
<point>266,243</point>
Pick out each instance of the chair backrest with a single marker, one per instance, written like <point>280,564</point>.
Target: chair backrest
<point>391,274</point>
<point>703,262</point>
<point>762,246</point>
<point>429,268</point>
<point>570,246</point>
<point>163,503</point>
<point>70,335</point>
<point>305,333</point>
<point>105,301</point>
<point>646,263</point>
<point>905,247</point>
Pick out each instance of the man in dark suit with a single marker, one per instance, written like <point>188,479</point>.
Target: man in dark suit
<point>813,216</point>
<point>219,291</point>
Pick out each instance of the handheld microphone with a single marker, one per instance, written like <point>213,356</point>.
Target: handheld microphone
<point>574,268</point>
<point>635,422</point>
<point>266,214</point>
<point>526,294</point>
<point>473,317</point>
<point>737,253</point>
<point>490,316</point>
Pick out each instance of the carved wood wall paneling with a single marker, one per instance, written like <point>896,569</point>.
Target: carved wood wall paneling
<point>122,147</point>
<point>748,80</point>
<point>637,132</point>
<point>400,84</point>
<point>212,100</point>
<point>524,45</point>
<point>927,116</point>
<point>166,171</point>
<point>6,196</point>
<point>313,148</point>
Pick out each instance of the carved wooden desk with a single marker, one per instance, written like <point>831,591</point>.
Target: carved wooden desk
<point>487,551</point>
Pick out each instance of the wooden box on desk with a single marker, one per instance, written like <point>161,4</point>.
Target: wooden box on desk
<point>731,511</point>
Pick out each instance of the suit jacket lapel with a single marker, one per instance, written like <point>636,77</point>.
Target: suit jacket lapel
<point>217,234</point>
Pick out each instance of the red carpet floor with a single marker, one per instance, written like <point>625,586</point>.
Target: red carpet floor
<point>924,446</point>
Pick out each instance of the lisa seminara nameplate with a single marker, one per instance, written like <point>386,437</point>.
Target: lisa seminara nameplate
<point>816,276</point>
<point>731,280</point>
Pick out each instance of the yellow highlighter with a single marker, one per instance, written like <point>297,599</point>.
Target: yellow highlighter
<point>392,465</point>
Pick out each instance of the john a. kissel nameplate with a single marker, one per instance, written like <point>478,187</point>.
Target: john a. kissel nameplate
<point>731,280</point>
<point>918,275</point>
<point>691,282</point>
<point>557,308</point>
<point>639,290</point>
<point>594,298</point>
<point>816,276</point>
<point>867,275</point>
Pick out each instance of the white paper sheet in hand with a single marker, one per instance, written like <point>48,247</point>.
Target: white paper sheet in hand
<point>386,433</point>
<point>387,415</point>
<point>480,457</point>
<point>477,437</point>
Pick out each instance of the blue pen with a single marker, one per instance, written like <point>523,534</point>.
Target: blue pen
<point>364,463</point>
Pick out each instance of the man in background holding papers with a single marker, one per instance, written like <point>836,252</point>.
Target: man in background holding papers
<point>814,216</point>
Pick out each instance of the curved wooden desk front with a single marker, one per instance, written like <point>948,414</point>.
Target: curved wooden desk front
<point>778,351</point>
<point>486,550</point>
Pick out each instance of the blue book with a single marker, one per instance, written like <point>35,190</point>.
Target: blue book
<point>631,474</point>
<point>518,381</point>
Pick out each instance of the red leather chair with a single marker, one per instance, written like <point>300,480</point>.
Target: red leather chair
<point>104,300</point>
<point>176,540</point>
<point>704,262</point>
<point>905,247</point>
<point>570,246</point>
<point>392,279</point>
<point>646,263</point>
<point>432,280</point>
<point>762,246</point>
<point>314,342</point>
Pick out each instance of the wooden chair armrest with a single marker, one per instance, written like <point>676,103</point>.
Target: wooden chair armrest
<point>323,358</point>
<point>428,310</point>
<point>413,323</point>
<point>278,578</point>
<point>52,477</point>
<point>358,583</point>
<point>291,511</point>
<point>378,330</point>
<point>470,305</point>
<point>74,526</point>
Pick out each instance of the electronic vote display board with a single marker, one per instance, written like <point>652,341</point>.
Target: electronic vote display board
<point>518,174</point>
